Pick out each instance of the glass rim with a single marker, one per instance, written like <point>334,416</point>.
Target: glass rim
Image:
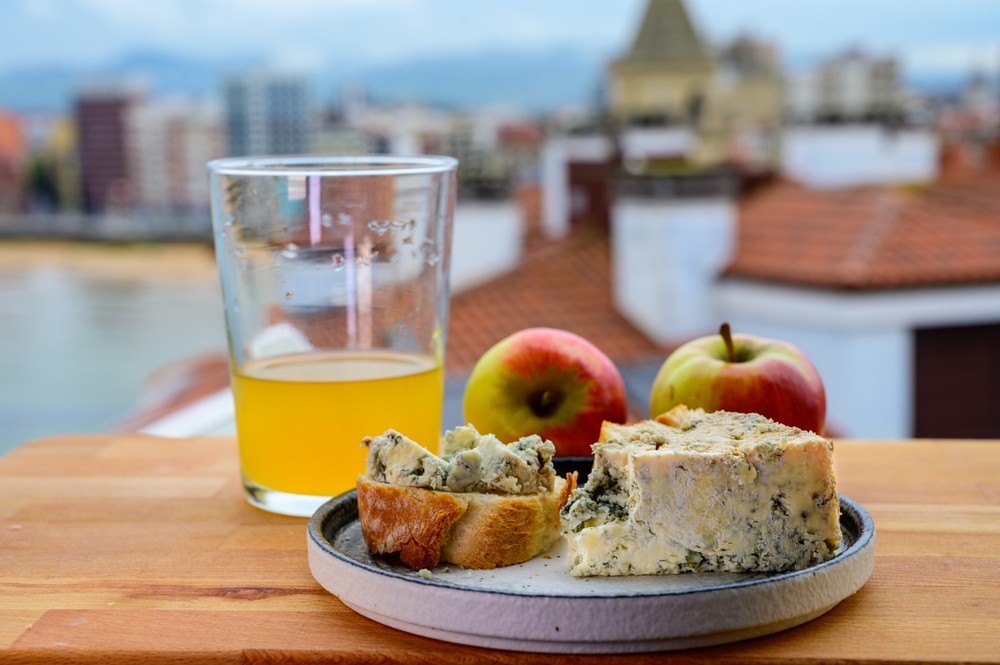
<point>332,165</point>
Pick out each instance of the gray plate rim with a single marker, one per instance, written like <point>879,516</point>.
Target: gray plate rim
<point>341,511</point>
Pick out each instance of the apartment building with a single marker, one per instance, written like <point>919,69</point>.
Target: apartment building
<point>101,112</point>
<point>167,145</point>
<point>851,87</point>
<point>268,113</point>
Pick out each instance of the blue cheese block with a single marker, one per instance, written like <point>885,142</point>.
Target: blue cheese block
<point>695,492</point>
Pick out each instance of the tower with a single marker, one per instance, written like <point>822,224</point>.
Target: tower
<point>665,76</point>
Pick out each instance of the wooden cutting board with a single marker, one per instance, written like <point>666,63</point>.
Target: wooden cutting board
<point>136,549</point>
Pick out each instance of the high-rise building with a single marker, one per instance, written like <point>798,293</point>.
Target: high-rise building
<point>100,114</point>
<point>168,144</point>
<point>852,87</point>
<point>268,113</point>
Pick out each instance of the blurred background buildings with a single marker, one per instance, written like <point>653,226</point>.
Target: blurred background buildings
<point>833,205</point>
<point>268,113</point>
<point>672,101</point>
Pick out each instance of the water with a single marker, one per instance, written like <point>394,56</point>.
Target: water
<point>76,348</point>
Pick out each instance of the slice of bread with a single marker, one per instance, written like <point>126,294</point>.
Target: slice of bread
<point>471,529</point>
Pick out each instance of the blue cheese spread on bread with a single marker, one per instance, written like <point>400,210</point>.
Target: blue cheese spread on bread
<point>695,492</point>
<point>480,504</point>
<point>469,462</point>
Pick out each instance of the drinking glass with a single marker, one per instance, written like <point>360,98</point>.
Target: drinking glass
<point>334,275</point>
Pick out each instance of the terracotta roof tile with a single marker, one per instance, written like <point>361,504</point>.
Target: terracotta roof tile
<point>563,283</point>
<point>872,238</point>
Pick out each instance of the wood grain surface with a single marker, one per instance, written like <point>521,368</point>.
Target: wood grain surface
<point>124,548</point>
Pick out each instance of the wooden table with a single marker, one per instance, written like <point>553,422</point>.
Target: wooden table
<point>135,549</point>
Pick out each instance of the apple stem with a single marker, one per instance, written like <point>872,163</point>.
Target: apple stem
<point>727,337</point>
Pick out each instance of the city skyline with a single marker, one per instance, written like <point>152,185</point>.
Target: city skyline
<point>861,181</point>
<point>943,39</point>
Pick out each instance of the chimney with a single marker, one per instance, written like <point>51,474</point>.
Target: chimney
<point>528,194</point>
<point>670,240</point>
<point>953,160</point>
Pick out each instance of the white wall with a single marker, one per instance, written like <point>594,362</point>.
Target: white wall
<point>637,145</point>
<point>487,242</point>
<point>850,155</point>
<point>867,375</point>
<point>557,152</point>
<point>802,95</point>
<point>645,143</point>
<point>555,189</point>
<point>665,256</point>
<point>861,343</point>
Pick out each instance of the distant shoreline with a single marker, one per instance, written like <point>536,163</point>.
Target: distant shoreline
<point>181,261</point>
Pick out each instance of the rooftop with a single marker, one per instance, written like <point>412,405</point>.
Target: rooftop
<point>562,283</point>
<point>868,238</point>
<point>855,239</point>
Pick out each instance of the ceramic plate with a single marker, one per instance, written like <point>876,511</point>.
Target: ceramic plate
<point>537,606</point>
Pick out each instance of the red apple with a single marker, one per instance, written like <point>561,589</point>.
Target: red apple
<point>548,382</point>
<point>745,374</point>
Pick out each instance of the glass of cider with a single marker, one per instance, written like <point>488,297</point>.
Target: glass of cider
<point>334,276</point>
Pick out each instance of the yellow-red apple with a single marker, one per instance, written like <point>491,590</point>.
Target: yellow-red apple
<point>548,382</point>
<point>742,373</point>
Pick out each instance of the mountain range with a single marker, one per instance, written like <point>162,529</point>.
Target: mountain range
<point>531,80</point>
<point>535,81</point>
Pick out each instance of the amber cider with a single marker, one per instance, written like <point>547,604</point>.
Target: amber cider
<point>300,418</point>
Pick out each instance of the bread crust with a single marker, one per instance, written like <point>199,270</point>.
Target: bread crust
<point>410,521</point>
<point>675,417</point>
<point>427,527</point>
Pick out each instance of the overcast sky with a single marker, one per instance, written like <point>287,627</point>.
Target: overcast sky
<point>929,36</point>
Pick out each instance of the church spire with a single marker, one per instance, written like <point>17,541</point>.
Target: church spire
<point>667,38</point>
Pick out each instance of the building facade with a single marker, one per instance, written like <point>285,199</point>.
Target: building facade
<point>168,144</point>
<point>852,87</point>
<point>728,100</point>
<point>894,294</point>
<point>268,113</point>
<point>101,116</point>
<point>665,76</point>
